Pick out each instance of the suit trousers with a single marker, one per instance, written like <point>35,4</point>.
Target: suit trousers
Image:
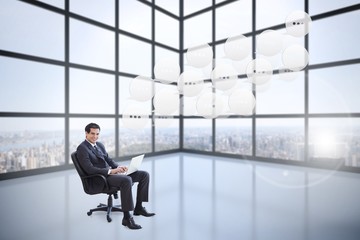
<point>125,183</point>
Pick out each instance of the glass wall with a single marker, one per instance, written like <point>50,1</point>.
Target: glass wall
<point>234,136</point>
<point>64,65</point>
<point>133,67</point>
<point>31,142</point>
<point>280,139</point>
<point>303,113</point>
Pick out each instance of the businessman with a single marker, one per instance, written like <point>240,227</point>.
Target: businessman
<point>94,159</point>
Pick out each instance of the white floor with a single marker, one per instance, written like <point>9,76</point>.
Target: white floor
<point>194,197</point>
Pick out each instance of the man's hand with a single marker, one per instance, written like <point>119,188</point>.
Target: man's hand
<point>122,169</point>
<point>119,169</point>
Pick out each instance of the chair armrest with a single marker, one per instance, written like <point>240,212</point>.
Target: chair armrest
<point>97,175</point>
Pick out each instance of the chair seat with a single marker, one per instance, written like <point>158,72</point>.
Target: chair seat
<point>110,191</point>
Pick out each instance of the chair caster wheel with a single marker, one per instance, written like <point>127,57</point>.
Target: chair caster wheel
<point>108,219</point>
<point>89,213</point>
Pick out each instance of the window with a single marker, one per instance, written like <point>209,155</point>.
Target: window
<point>321,6</point>
<point>131,93</point>
<point>135,17</point>
<point>171,6</point>
<point>281,95</point>
<point>197,30</point>
<point>197,134</point>
<point>31,30</point>
<point>100,11</point>
<point>166,134</point>
<point>233,19</point>
<point>193,6</point>
<point>31,143</point>
<point>31,87</point>
<point>334,141</point>
<point>334,90</point>
<point>91,45</point>
<point>166,30</point>
<point>339,44</point>
<point>234,136</point>
<point>280,138</point>
<point>91,92</point>
<point>134,141</point>
<point>60,70</point>
<point>274,12</point>
<point>134,56</point>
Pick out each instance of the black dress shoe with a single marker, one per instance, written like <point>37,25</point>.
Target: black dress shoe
<point>130,223</point>
<point>142,211</point>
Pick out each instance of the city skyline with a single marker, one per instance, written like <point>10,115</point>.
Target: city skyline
<point>30,150</point>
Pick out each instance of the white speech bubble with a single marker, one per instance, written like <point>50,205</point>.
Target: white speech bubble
<point>209,104</point>
<point>199,56</point>
<point>237,48</point>
<point>135,117</point>
<point>269,43</point>
<point>141,88</point>
<point>295,57</point>
<point>298,23</point>
<point>166,101</point>
<point>242,102</point>
<point>190,83</point>
<point>224,77</point>
<point>167,70</point>
<point>259,71</point>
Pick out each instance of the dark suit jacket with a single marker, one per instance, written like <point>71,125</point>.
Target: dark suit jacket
<point>94,162</point>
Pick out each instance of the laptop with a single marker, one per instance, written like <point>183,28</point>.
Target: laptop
<point>135,164</point>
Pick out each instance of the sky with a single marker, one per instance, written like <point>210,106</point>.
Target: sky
<point>42,85</point>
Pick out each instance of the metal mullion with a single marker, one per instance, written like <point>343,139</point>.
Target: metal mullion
<point>335,12</point>
<point>44,6</point>
<point>253,117</point>
<point>153,127</point>
<point>23,56</point>
<point>181,60</point>
<point>160,9</point>
<point>306,97</point>
<point>117,79</point>
<point>67,81</point>
<point>214,56</point>
<point>306,131</point>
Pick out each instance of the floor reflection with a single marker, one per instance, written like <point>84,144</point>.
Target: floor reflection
<point>195,197</point>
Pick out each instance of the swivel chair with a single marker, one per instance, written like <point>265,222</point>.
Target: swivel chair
<point>110,191</point>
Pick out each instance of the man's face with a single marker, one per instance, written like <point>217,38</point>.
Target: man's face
<point>93,135</point>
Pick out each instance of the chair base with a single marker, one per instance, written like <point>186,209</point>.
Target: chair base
<point>108,208</point>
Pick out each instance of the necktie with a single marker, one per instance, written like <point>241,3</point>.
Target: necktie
<point>97,149</point>
<point>100,154</point>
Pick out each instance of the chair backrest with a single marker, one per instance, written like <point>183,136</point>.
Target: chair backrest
<point>79,169</point>
<point>97,181</point>
<point>81,172</point>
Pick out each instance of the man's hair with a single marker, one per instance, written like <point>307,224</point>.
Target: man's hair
<point>91,125</point>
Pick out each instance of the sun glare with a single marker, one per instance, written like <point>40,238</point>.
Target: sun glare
<point>325,145</point>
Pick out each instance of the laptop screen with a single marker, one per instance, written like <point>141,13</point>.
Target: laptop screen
<point>135,164</point>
